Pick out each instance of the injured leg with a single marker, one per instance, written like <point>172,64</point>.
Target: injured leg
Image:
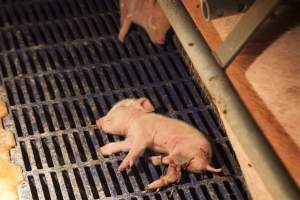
<point>173,175</point>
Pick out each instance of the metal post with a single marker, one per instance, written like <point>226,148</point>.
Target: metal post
<point>212,9</point>
<point>236,119</point>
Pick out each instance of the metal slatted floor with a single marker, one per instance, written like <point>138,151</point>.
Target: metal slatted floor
<point>62,67</point>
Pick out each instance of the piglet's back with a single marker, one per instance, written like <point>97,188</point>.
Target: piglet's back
<point>161,127</point>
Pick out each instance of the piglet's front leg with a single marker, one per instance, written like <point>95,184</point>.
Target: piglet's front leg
<point>137,148</point>
<point>173,175</point>
<point>130,158</point>
<point>114,147</point>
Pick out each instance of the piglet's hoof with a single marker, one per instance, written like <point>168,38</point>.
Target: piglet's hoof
<point>126,163</point>
<point>104,151</point>
<point>121,37</point>
<point>149,188</point>
<point>99,151</point>
<point>156,185</point>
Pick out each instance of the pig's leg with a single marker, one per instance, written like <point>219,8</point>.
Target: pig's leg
<point>158,160</point>
<point>115,147</point>
<point>173,175</point>
<point>177,160</point>
<point>124,8</point>
<point>133,154</point>
<point>124,28</point>
<point>139,144</point>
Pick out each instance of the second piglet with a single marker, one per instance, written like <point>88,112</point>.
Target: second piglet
<point>183,146</point>
<point>146,13</point>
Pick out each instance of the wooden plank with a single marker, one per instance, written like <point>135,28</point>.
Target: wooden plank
<point>254,58</point>
<point>258,97</point>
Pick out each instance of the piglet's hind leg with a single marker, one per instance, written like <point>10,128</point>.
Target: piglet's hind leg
<point>173,175</point>
<point>158,160</point>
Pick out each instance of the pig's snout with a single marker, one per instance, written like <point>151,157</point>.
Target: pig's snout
<point>103,123</point>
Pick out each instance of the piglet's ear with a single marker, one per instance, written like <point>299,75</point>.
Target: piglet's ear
<point>145,104</point>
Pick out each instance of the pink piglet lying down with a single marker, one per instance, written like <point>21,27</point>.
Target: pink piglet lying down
<point>183,146</point>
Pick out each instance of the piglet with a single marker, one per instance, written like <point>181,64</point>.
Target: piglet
<point>183,146</point>
<point>146,13</point>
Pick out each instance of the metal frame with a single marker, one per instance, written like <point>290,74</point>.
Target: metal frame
<point>212,9</point>
<point>249,23</point>
<point>236,120</point>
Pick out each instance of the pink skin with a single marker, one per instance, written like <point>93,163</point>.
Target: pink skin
<point>146,13</point>
<point>183,146</point>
